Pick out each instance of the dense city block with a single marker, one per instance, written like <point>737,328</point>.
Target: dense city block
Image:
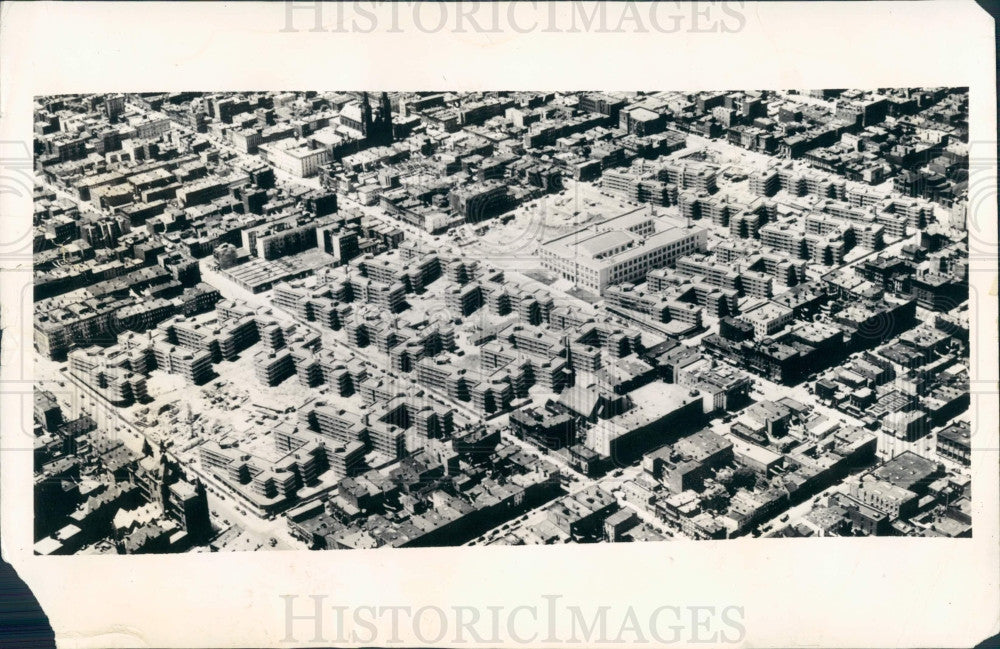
<point>334,320</point>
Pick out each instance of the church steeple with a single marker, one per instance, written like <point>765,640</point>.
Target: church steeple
<point>385,115</point>
<point>366,115</point>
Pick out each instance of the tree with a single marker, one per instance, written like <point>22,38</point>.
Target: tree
<point>717,502</point>
<point>741,478</point>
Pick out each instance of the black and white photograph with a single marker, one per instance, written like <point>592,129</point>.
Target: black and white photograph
<point>341,320</point>
<point>500,324</point>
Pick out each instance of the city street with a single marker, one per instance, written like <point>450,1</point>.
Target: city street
<point>516,205</point>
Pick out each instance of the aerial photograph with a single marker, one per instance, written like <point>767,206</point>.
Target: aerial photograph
<point>340,320</point>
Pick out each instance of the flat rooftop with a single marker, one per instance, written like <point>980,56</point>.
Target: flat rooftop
<point>605,242</point>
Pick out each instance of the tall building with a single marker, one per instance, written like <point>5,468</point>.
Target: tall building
<point>375,125</point>
<point>114,107</point>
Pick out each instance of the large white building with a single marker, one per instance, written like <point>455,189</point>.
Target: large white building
<point>295,158</point>
<point>621,249</point>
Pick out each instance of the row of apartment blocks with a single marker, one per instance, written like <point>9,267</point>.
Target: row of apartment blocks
<point>914,211</point>
<point>532,356</point>
<point>740,269</point>
<point>393,425</point>
<point>488,393</point>
<point>222,337</point>
<point>726,210</point>
<point>269,485</point>
<point>326,297</point>
<point>826,236</point>
<point>682,305</point>
<point>498,379</point>
<point>412,268</point>
<point>65,323</point>
<point>312,300</point>
<point>117,373</point>
<point>660,182</point>
<point>767,182</point>
<point>797,244</point>
<point>406,345</point>
<point>187,346</point>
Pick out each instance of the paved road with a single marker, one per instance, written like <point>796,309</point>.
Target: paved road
<point>767,389</point>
